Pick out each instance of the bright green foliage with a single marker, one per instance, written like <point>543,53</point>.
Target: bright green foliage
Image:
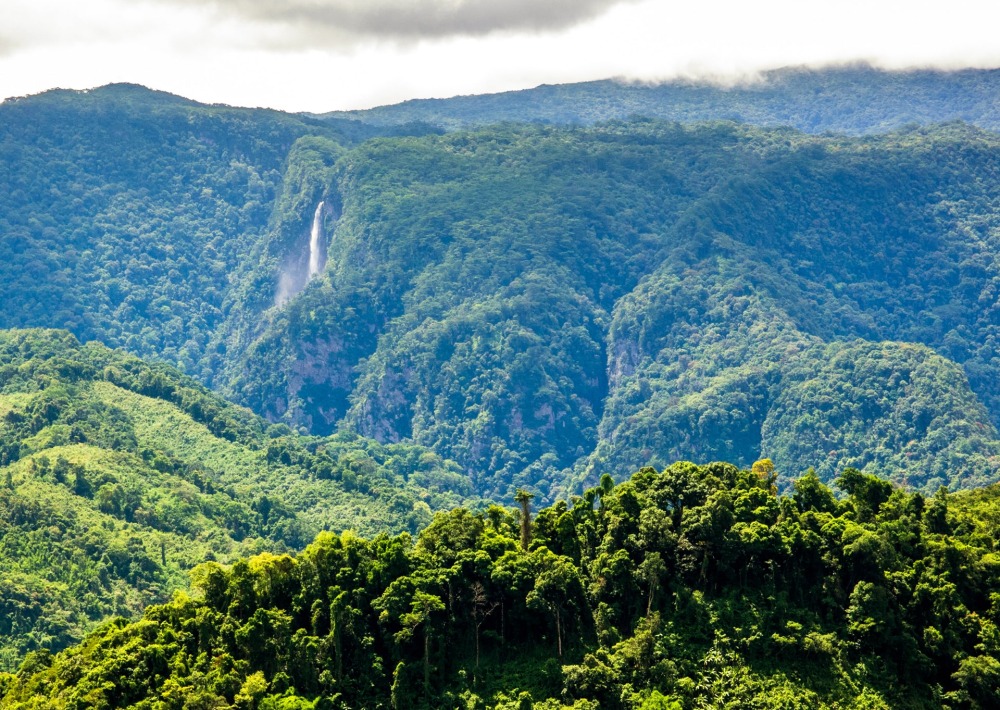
<point>118,477</point>
<point>884,599</point>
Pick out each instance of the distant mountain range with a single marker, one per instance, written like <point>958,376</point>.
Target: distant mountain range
<point>853,99</point>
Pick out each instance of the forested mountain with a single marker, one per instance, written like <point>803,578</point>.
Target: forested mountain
<point>125,214</point>
<point>538,304</point>
<point>694,587</point>
<point>541,299</point>
<point>117,477</point>
<point>418,307</point>
<point>852,99</point>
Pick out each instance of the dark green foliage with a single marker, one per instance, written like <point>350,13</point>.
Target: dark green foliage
<point>496,362</point>
<point>128,210</point>
<point>125,213</point>
<point>688,588</point>
<point>745,339</point>
<point>538,303</point>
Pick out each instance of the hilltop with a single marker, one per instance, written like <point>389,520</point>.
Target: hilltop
<point>690,587</point>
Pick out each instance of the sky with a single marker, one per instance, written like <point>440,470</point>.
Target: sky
<point>323,55</point>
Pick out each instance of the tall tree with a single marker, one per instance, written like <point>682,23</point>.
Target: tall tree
<point>422,606</point>
<point>523,499</point>
<point>482,607</point>
<point>556,589</point>
<point>651,571</point>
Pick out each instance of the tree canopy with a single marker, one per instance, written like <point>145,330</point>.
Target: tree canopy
<point>690,587</point>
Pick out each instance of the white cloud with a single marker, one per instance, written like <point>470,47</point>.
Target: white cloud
<point>241,54</point>
<point>335,20</point>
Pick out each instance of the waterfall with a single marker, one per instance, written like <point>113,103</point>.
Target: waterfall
<point>300,266</point>
<point>315,253</point>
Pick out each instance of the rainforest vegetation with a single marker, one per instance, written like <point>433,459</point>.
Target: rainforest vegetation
<point>540,304</point>
<point>229,480</point>
<point>695,586</point>
<point>117,477</point>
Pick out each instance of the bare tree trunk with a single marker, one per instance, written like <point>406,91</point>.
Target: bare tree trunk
<point>339,651</point>
<point>503,626</point>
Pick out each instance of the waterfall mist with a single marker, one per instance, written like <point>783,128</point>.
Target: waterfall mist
<point>303,264</point>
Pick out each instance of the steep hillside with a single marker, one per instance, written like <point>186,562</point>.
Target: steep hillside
<point>853,99</point>
<point>853,241</point>
<point>117,477</point>
<point>126,214</point>
<point>694,587</point>
<point>538,304</point>
<point>533,300</point>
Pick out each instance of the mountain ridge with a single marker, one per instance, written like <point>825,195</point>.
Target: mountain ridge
<point>853,98</point>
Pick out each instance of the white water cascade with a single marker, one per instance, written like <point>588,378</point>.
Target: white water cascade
<point>315,254</point>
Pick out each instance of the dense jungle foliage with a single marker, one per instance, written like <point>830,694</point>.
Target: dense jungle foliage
<point>852,99</point>
<point>125,213</point>
<point>545,304</point>
<point>538,304</point>
<point>511,312</point>
<point>117,477</point>
<point>693,587</point>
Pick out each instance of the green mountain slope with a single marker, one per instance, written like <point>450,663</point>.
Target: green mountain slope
<point>538,304</point>
<point>119,476</point>
<point>534,301</point>
<point>126,214</point>
<point>693,587</point>
<point>849,99</point>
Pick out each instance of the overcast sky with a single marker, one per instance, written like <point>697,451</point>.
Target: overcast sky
<point>320,55</point>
